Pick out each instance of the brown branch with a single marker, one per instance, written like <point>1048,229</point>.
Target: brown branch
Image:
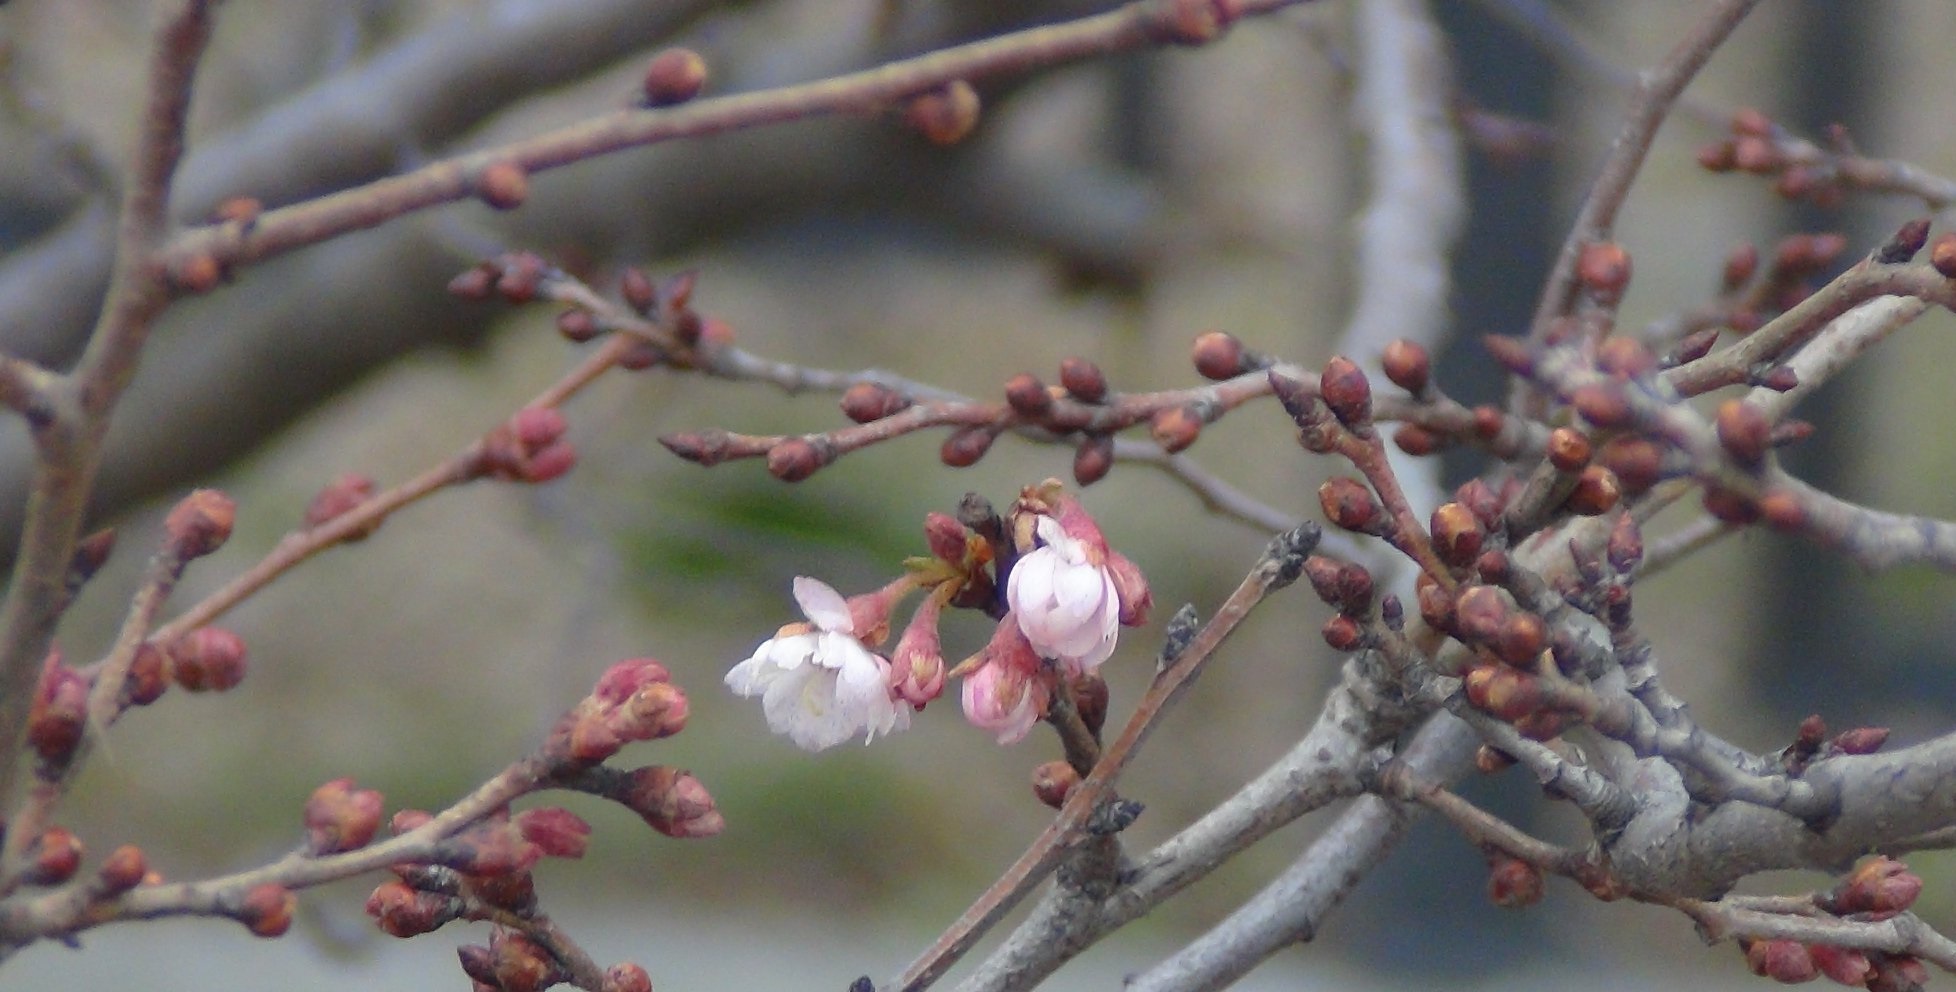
<point>70,441</point>
<point>1657,90</point>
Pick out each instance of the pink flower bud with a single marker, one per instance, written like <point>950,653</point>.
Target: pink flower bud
<point>340,817</point>
<point>670,800</point>
<point>1002,696</point>
<point>917,665</point>
<point>340,497</point>
<point>555,830</point>
<point>623,680</point>
<point>489,849</point>
<point>945,536</point>
<point>59,715</point>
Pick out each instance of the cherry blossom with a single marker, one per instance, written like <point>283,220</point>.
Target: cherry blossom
<point>819,683</point>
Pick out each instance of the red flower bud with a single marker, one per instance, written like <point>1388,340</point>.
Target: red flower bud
<point>961,450</point>
<point>208,658</point>
<point>267,909</point>
<point>519,964</point>
<point>1848,967</point>
<point>1175,428</point>
<point>56,854</point>
<point>1218,355</point>
<point>675,75</point>
<point>1512,883</point>
<point>626,977</point>
<point>1348,503</point>
<point>1861,740</point>
<point>199,524</point>
<point>340,817</point>
<point>124,869</point>
<point>557,831</point>
<point>1568,449</point>
<point>794,460</point>
<point>1345,389</point>
<point>403,911</point>
<point>1053,781</point>
<point>944,115</point>
<point>1744,430</point>
<point>59,715</point>
<point>339,497</point>
<point>1407,365</point>
<point>868,402</point>
<point>503,185</point>
<point>671,801</point>
<point>1083,379</point>
<point>1457,534</point>
<point>1093,459</point>
<point>577,326</point>
<point>1603,268</point>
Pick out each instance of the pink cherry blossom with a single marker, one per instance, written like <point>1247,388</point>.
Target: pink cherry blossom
<point>1066,599</point>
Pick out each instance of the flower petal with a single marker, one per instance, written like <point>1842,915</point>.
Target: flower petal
<point>822,604</point>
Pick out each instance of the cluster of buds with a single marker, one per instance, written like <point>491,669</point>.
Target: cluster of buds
<point>1793,962</point>
<point>528,447</point>
<point>1066,595</point>
<point>1757,146</point>
<point>634,700</point>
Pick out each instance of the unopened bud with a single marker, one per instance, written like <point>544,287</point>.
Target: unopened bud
<point>1603,268</point>
<point>340,817</point>
<point>1093,459</point>
<point>1568,449</point>
<point>340,497</point>
<point>124,869</point>
<point>675,75</point>
<point>626,977</point>
<point>266,910</point>
<point>1083,379</point>
<point>1457,534</point>
<point>944,115</point>
<point>1053,781</point>
<point>404,911</point>
<point>556,831</point>
<point>199,524</point>
<point>1407,365</point>
<point>1596,492</point>
<point>868,402</point>
<point>1861,740</point>
<point>1218,355</point>
<point>794,459</point>
<point>1348,503</point>
<point>961,450</point>
<point>503,185</point>
<point>56,854</point>
<point>1744,430</point>
<point>208,659</point>
<point>1345,389</point>
<point>1513,883</point>
<point>1027,396</point>
<point>1175,428</point>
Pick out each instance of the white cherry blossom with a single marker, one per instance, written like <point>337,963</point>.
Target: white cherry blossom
<point>818,683</point>
<point>1065,599</point>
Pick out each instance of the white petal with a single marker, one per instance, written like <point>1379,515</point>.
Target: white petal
<point>751,677</point>
<point>822,604</point>
<point>1079,590</point>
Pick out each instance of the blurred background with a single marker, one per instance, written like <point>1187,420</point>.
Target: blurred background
<point>1111,210</point>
